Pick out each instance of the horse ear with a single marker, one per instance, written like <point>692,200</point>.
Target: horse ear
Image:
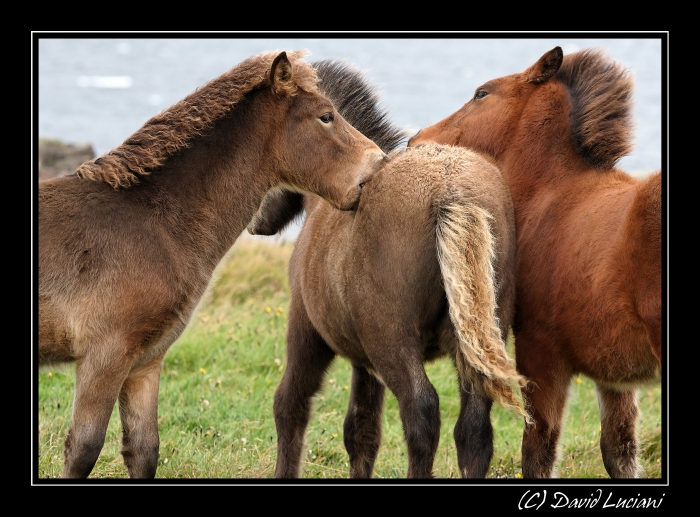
<point>281,75</point>
<point>546,66</point>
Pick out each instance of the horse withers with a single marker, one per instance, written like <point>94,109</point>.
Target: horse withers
<point>128,244</point>
<point>589,288</point>
<point>424,268</point>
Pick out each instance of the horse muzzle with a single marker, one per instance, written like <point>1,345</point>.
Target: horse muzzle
<point>352,197</point>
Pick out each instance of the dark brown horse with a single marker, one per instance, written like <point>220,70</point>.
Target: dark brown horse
<point>424,268</point>
<point>589,290</point>
<point>128,244</point>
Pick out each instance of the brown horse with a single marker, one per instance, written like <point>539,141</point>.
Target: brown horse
<point>589,293</point>
<point>128,244</point>
<point>424,268</point>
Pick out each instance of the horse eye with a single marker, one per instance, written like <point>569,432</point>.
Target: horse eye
<point>327,118</point>
<point>480,94</point>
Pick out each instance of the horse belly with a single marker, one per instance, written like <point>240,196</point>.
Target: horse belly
<point>55,341</point>
<point>614,353</point>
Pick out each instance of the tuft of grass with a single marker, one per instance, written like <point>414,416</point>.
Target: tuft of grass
<point>252,271</point>
<point>218,383</point>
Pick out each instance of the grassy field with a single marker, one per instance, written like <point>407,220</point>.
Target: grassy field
<point>219,379</point>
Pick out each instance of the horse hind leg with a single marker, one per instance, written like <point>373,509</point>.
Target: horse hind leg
<point>473,432</point>
<point>618,437</point>
<point>398,359</point>
<point>308,358</point>
<point>138,409</point>
<point>362,430</point>
<point>420,415</point>
<point>96,390</point>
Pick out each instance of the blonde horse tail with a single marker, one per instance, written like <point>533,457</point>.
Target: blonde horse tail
<point>466,252</point>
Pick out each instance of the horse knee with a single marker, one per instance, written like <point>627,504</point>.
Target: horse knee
<point>80,454</point>
<point>289,406</point>
<point>428,415</point>
<point>474,421</point>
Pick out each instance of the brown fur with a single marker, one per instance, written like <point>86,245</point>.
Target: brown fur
<point>121,270</point>
<point>423,269</point>
<point>174,129</point>
<point>589,295</point>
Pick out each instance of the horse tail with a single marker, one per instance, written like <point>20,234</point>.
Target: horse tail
<point>466,253</point>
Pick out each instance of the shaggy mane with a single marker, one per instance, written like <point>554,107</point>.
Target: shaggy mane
<point>358,103</point>
<point>601,113</point>
<point>174,128</point>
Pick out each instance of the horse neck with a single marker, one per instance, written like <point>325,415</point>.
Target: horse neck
<point>214,187</point>
<point>533,165</point>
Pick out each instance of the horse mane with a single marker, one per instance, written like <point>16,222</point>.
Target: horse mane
<point>601,106</point>
<point>358,102</point>
<point>174,128</point>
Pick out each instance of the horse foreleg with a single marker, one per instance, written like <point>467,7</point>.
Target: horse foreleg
<point>138,409</point>
<point>97,384</point>
<point>618,436</point>
<point>545,399</point>
<point>362,430</point>
<point>308,357</point>
<point>473,433</point>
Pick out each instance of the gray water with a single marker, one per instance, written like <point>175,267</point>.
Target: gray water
<point>99,91</point>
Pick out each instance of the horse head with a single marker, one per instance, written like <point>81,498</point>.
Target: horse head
<point>336,158</point>
<point>488,121</point>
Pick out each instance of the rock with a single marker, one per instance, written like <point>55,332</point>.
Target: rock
<point>58,158</point>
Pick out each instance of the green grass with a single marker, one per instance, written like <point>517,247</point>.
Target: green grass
<point>218,383</point>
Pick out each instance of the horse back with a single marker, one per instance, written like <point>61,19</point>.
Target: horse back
<point>362,273</point>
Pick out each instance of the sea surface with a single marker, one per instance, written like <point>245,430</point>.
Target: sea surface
<point>99,90</point>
